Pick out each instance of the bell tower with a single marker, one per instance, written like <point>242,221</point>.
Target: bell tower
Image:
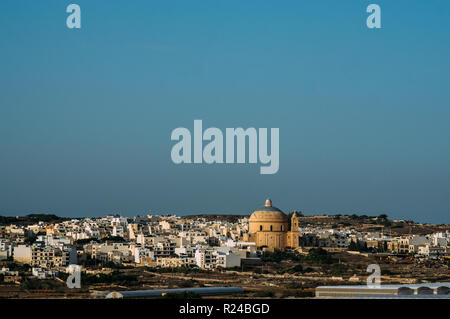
<point>294,222</point>
<point>292,235</point>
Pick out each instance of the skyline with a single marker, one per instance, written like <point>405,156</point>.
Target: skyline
<point>212,213</point>
<point>86,115</point>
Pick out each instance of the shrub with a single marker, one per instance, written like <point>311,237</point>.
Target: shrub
<point>265,293</point>
<point>181,295</point>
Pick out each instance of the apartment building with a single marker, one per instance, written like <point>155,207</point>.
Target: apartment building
<point>51,257</point>
<point>22,254</point>
<point>208,258</point>
<point>398,245</point>
<point>173,262</point>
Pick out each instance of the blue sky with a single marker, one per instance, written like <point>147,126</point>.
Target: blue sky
<point>86,115</point>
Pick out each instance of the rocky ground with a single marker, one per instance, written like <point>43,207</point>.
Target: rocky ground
<point>279,279</point>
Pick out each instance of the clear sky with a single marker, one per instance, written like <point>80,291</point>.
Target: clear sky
<point>86,115</point>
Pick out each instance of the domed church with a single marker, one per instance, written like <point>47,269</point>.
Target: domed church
<point>269,227</point>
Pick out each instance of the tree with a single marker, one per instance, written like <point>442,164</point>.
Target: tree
<point>30,239</point>
<point>353,246</point>
<point>363,247</point>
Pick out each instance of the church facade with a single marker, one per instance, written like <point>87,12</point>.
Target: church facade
<point>270,228</point>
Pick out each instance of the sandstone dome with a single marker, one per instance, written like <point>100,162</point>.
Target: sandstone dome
<point>268,228</point>
<point>268,213</point>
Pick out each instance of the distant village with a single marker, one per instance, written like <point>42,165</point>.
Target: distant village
<point>172,241</point>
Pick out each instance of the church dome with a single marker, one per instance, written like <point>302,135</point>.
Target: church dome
<point>268,212</point>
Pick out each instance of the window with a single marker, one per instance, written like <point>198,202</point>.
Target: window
<point>270,227</point>
<point>260,227</point>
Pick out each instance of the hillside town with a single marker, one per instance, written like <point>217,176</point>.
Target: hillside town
<point>333,247</point>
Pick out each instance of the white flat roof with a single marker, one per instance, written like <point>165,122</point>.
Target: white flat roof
<point>412,286</point>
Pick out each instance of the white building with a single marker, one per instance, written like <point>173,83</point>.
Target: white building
<point>142,252</point>
<point>42,273</point>
<point>22,253</point>
<point>208,258</point>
